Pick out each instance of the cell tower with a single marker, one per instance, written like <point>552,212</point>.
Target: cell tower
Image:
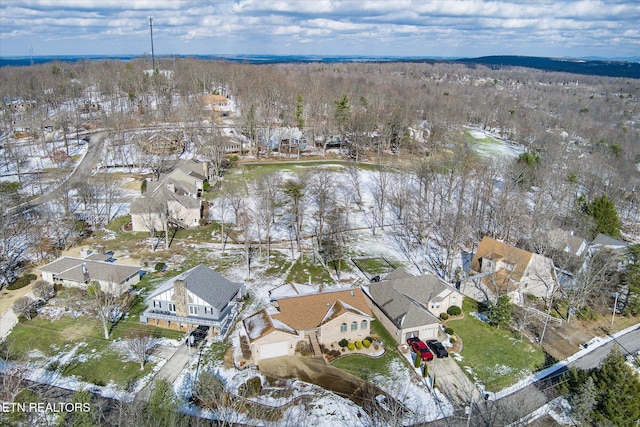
<point>153,58</point>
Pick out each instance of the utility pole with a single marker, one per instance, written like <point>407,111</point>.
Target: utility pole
<point>153,58</point>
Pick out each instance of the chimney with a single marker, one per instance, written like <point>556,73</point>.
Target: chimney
<point>180,297</point>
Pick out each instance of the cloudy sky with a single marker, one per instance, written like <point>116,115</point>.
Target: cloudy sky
<point>447,28</point>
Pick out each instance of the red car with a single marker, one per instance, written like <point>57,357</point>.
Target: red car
<point>420,348</point>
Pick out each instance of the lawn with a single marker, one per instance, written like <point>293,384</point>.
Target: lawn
<point>496,357</point>
<point>374,266</point>
<point>304,268</point>
<point>363,366</point>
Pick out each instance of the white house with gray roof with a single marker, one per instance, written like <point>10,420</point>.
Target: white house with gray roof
<point>79,272</point>
<point>409,306</point>
<point>199,296</point>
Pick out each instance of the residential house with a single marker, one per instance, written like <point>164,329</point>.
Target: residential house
<point>79,272</point>
<point>197,297</point>
<point>499,268</point>
<point>321,318</point>
<point>410,306</point>
<point>567,242</point>
<point>603,241</point>
<point>174,200</point>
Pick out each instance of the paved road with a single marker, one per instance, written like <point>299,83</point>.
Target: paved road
<point>80,174</point>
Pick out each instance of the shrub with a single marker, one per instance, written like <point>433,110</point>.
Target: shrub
<point>343,342</point>
<point>417,361</point>
<point>366,343</point>
<point>143,187</point>
<point>252,387</point>
<point>351,346</point>
<point>370,339</point>
<point>358,345</point>
<point>454,310</point>
<point>425,371</point>
<point>206,186</point>
<point>160,266</point>
<point>21,282</point>
<point>444,316</point>
<point>452,339</point>
<point>233,158</point>
<point>304,348</point>
<point>448,331</point>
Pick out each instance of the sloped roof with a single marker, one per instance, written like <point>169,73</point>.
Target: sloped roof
<point>261,324</point>
<point>403,311</point>
<point>604,240</point>
<point>157,195</point>
<point>205,283</point>
<point>311,311</point>
<point>495,250</point>
<point>424,288</point>
<point>69,268</point>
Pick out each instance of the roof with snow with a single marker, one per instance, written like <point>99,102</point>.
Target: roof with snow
<point>261,324</point>
<point>205,283</point>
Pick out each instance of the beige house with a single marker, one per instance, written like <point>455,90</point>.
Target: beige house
<point>174,200</point>
<point>79,272</point>
<point>410,306</point>
<point>321,318</point>
<point>501,269</point>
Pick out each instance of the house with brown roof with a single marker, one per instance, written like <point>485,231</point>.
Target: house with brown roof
<point>321,318</point>
<point>410,306</point>
<point>499,268</point>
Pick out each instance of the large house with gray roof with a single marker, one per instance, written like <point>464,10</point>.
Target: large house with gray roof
<point>410,306</point>
<point>79,272</point>
<point>173,200</point>
<point>197,297</point>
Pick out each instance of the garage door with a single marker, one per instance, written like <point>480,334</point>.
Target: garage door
<point>274,349</point>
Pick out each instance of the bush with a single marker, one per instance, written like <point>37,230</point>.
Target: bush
<point>233,158</point>
<point>252,387</point>
<point>160,266</point>
<point>452,339</point>
<point>359,345</point>
<point>351,346</point>
<point>444,316</point>
<point>448,331</point>
<point>304,348</point>
<point>206,186</point>
<point>21,282</point>
<point>417,361</point>
<point>23,307</point>
<point>454,310</point>
<point>343,343</point>
<point>366,343</point>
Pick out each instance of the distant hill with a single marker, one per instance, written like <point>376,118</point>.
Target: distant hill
<point>567,65</point>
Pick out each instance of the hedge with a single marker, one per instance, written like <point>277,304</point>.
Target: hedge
<point>21,282</point>
<point>454,310</point>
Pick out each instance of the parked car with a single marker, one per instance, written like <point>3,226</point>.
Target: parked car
<point>197,335</point>
<point>437,347</point>
<point>411,340</point>
<point>421,348</point>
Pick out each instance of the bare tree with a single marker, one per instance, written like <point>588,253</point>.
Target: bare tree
<point>43,290</point>
<point>138,345</point>
<point>268,199</point>
<point>107,304</point>
<point>23,306</point>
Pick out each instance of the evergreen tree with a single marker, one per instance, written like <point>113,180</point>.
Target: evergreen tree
<point>618,390</point>
<point>342,111</point>
<point>583,401</point>
<point>416,361</point>
<point>299,112</point>
<point>631,278</point>
<point>604,213</point>
<point>500,312</point>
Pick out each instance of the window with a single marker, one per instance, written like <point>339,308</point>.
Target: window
<point>363,324</point>
<point>354,326</point>
<point>172,307</point>
<point>193,309</point>
<point>343,327</point>
<point>205,310</point>
<point>159,304</point>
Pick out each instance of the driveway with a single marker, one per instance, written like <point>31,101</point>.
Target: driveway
<point>453,382</point>
<point>178,358</point>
